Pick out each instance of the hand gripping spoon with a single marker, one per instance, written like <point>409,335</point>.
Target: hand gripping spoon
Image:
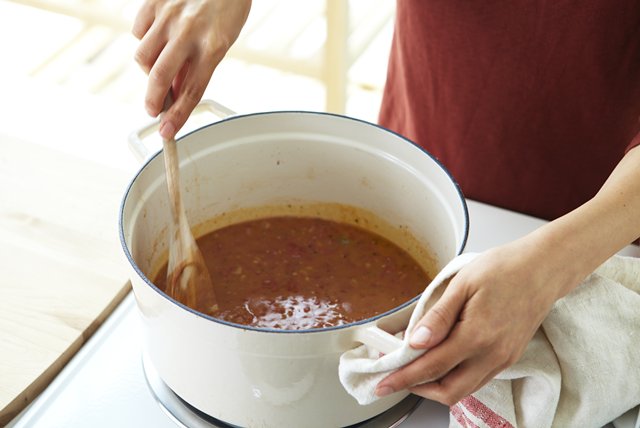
<point>188,279</point>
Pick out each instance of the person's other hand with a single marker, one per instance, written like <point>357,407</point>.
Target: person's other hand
<point>481,324</point>
<point>182,42</point>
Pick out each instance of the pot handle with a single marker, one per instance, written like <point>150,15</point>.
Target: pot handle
<point>141,151</point>
<point>376,338</point>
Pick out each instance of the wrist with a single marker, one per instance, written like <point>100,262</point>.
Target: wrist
<point>571,247</point>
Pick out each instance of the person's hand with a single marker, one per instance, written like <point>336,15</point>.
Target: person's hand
<point>481,324</point>
<point>182,42</point>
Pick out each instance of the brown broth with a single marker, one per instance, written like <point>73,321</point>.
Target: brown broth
<point>298,273</point>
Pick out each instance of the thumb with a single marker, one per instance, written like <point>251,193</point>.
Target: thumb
<point>436,324</point>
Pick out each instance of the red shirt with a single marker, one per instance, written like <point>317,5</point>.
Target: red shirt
<point>529,104</point>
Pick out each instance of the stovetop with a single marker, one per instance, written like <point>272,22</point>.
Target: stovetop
<point>104,385</point>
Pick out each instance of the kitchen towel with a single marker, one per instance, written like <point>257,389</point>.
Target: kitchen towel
<point>581,369</point>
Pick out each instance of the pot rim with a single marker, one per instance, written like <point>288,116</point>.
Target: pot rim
<point>273,330</point>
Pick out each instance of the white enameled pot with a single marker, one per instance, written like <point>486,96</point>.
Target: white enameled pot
<point>253,377</point>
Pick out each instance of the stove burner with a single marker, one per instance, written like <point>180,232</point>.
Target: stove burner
<point>187,416</point>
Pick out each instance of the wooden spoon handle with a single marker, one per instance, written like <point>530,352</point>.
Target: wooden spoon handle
<point>171,165</point>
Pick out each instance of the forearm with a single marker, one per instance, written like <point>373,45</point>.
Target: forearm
<point>577,243</point>
<point>492,308</point>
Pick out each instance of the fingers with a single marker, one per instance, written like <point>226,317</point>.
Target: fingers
<point>443,379</point>
<point>433,365</point>
<point>159,54</point>
<point>434,327</point>
<point>151,45</point>
<point>431,330</point>
<point>189,92</point>
<point>462,381</point>
<point>143,20</point>
<point>169,63</point>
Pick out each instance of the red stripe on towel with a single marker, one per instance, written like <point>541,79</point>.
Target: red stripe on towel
<point>485,414</point>
<point>457,412</point>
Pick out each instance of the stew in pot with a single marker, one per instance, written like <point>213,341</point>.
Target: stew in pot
<point>296,273</point>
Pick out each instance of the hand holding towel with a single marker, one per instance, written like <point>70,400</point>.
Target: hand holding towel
<point>360,372</point>
<point>582,367</point>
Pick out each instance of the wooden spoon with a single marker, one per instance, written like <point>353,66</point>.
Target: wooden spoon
<point>188,279</point>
